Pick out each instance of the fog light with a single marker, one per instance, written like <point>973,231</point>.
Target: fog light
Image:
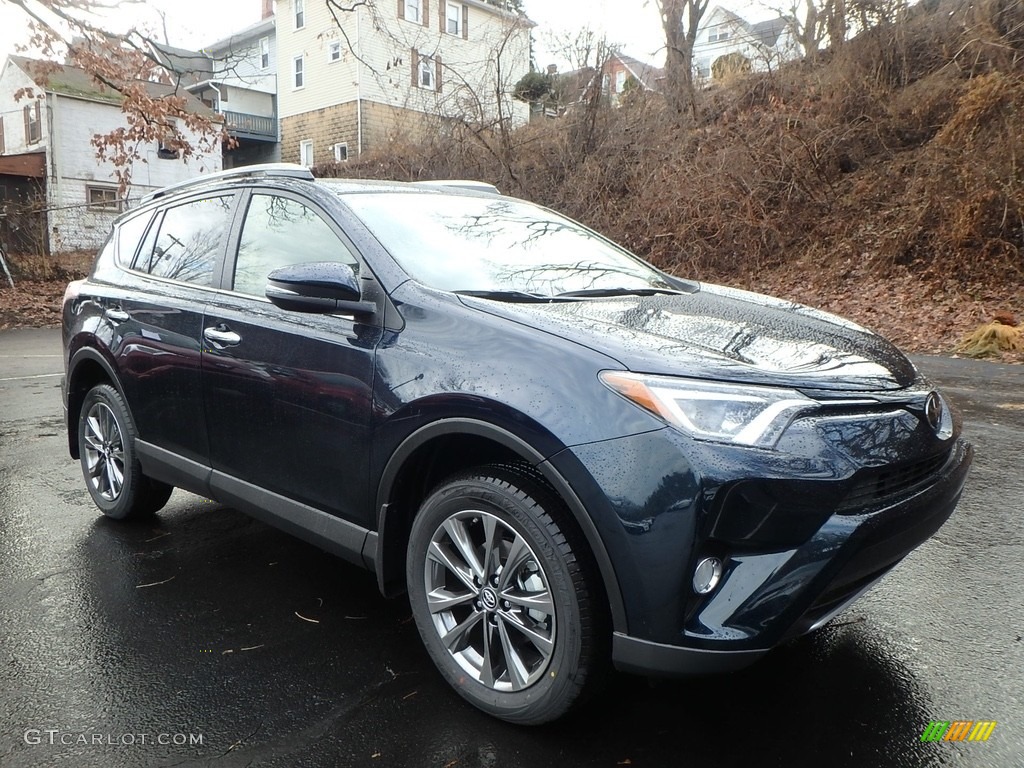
<point>707,575</point>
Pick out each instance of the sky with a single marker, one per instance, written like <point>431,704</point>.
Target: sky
<point>633,24</point>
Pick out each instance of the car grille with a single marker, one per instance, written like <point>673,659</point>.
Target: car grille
<point>875,487</point>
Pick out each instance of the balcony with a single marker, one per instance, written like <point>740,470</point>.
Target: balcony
<point>244,126</point>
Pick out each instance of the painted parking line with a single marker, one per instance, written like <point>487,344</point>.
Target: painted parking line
<point>37,376</point>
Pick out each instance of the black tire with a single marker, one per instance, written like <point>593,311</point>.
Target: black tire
<point>106,446</point>
<point>557,658</point>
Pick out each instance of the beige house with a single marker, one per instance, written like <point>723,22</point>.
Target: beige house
<point>387,70</point>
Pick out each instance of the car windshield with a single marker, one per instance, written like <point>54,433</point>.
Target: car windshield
<point>498,246</point>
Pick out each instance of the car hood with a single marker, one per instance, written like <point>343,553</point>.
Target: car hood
<point>724,334</point>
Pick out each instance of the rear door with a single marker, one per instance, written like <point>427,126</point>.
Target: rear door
<point>288,394</point>
<point>155,316</point>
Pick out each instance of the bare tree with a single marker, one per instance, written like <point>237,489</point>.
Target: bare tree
<point>680,20</point>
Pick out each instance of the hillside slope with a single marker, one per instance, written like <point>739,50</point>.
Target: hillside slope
<point>883,181</point>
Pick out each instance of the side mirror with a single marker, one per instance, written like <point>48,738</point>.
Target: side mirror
<point>323,287</point>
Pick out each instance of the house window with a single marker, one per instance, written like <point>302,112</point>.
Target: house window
<point>412,10</point>
<point>340,152</point>
<point>264,53</point>
<point>334,51</point>
<point>300,78</point>
<point>453,25</point>
<point>103,199</point>
<point>426,79</point>
<point>717,34</point>
<point>620,81</point>
<point>300,14</point>
<point>306,153</point>
<point>33,124</point>
<point>167,149</point>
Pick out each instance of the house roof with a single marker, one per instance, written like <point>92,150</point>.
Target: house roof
<point>646,74</point>
<point>191,66</point>
<point>498,7</point>
<point>576,82</point>
<point>768,32</point>
<point>260,29</point>
<point>65,80</point>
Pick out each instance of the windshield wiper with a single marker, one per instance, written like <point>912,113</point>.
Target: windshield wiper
<point>516,296</point>
<point>599,292</point>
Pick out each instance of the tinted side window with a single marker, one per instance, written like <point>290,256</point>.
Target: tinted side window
<point>279,231</point>
<point>190,238</point>
<point>128,236</point>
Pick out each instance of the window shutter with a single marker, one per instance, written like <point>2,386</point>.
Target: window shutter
<point>442,16</point>
<point>415,68</point>
<point>39,124</point>
<point>26,113</point>
<point>437,73</point>
<point>426,13</point>
<point>401,9</point>
<point>3,139</point>
<point>465,22</point>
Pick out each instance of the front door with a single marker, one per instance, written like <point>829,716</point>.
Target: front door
<point>288,394</point>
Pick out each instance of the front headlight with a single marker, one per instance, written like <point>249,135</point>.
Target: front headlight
<point>723,413</point>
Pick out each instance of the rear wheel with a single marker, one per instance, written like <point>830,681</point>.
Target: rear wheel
<point>504,597</point>
<point>106,445</point>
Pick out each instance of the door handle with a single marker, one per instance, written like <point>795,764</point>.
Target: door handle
<point>222,336</point>
<point>116,315</point>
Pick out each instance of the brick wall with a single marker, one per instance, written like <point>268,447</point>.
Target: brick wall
<point>325,127</point>
<point>382,124</point>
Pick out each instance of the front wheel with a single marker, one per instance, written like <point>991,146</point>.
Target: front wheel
<point>504,596</point>
<point>106,445</point>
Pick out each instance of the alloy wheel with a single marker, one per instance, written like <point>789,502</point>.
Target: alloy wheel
<point>490,600</point>
<point>104,452</point>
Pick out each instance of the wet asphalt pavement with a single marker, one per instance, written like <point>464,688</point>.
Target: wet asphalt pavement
<point>207,638</point>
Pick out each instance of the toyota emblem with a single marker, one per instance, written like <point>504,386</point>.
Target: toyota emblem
<point>933,411</point>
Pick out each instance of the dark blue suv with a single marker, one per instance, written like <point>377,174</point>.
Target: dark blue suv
<point>565,456</point>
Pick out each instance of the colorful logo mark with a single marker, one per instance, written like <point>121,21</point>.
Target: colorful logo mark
<point>958,730</point>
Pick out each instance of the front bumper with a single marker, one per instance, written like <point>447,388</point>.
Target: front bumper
<point>779,580</point>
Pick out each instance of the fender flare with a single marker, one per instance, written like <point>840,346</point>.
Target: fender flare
<point>517,445</point>
<point>93,355</point>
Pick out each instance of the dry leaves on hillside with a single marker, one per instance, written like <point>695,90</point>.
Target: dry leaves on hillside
<point>918,316</point>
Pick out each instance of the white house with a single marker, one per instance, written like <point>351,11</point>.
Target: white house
<point>46,150</point>
<point>764,44</point>
<point>237,78</point>
<point>383,70</point>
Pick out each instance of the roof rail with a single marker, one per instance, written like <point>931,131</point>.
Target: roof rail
<point>264,170</point>
<point>476,186</point>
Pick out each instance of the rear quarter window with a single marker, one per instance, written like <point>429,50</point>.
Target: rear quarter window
<point>129,234</point>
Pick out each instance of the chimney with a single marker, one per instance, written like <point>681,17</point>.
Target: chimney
<point>268,8</point>
<point>552,69</point>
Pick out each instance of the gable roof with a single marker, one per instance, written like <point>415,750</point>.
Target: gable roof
<point>262,28</point>
<point>190,66</point>
<point>647,75</point>
<point>74,82</point>
<point>765,32</point>
<point>768,32</point>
